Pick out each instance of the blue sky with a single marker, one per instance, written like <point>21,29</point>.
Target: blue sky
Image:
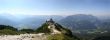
<point>55,7</point>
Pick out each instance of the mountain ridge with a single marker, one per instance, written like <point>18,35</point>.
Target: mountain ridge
<point>54,29</point>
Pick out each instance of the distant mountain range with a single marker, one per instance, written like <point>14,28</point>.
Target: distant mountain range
<point>74,22</point>
<point>26,21</point>
<point>80,22</point>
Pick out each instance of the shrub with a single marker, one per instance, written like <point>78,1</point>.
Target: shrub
<point>8,32</point>
<point>7,27</point>
<point>26,31</point>
<point>60,37</point>
<point>43,29</point>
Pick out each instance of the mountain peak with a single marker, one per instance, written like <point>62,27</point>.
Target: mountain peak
<point>55,30</point>
<point>52,27</point>
<point>50,22</point>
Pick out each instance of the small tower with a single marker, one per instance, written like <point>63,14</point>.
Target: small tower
<point>50,22</point>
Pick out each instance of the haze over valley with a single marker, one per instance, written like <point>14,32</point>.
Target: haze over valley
<point>54,19</point>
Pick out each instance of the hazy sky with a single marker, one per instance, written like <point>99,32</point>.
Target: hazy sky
<point>55,7</point>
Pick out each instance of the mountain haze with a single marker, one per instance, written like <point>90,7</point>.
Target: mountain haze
<point>26,21</point>
<point>80,22</point>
